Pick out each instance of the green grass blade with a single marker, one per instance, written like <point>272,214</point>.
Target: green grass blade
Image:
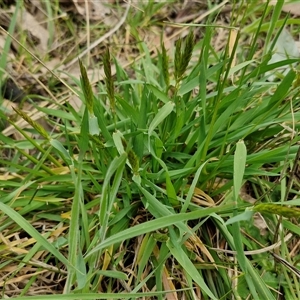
<point>189,267</point>
<point>23,223</point>
<point>160,116</point>
<point>156,224</point>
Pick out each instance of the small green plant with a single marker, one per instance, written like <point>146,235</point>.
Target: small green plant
<point>142,192</point>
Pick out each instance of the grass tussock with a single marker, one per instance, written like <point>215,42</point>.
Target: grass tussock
<point>160,163</point>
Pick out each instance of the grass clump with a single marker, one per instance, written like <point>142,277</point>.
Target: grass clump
<point>175,179</point>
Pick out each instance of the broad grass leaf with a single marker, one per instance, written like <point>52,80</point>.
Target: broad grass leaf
<point>160,95</point>
<point>108,191</point>
<point>160,116</point>
<point>157,224</point>
<point>240,67</point>
<point>239,167</point>
<point>64,153</point>
<point>171,193</point>
<point>113,274</point>
<point>93,125</point>
<point>245,216</point>
<point>81,273</point>
<point>117,137</point>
